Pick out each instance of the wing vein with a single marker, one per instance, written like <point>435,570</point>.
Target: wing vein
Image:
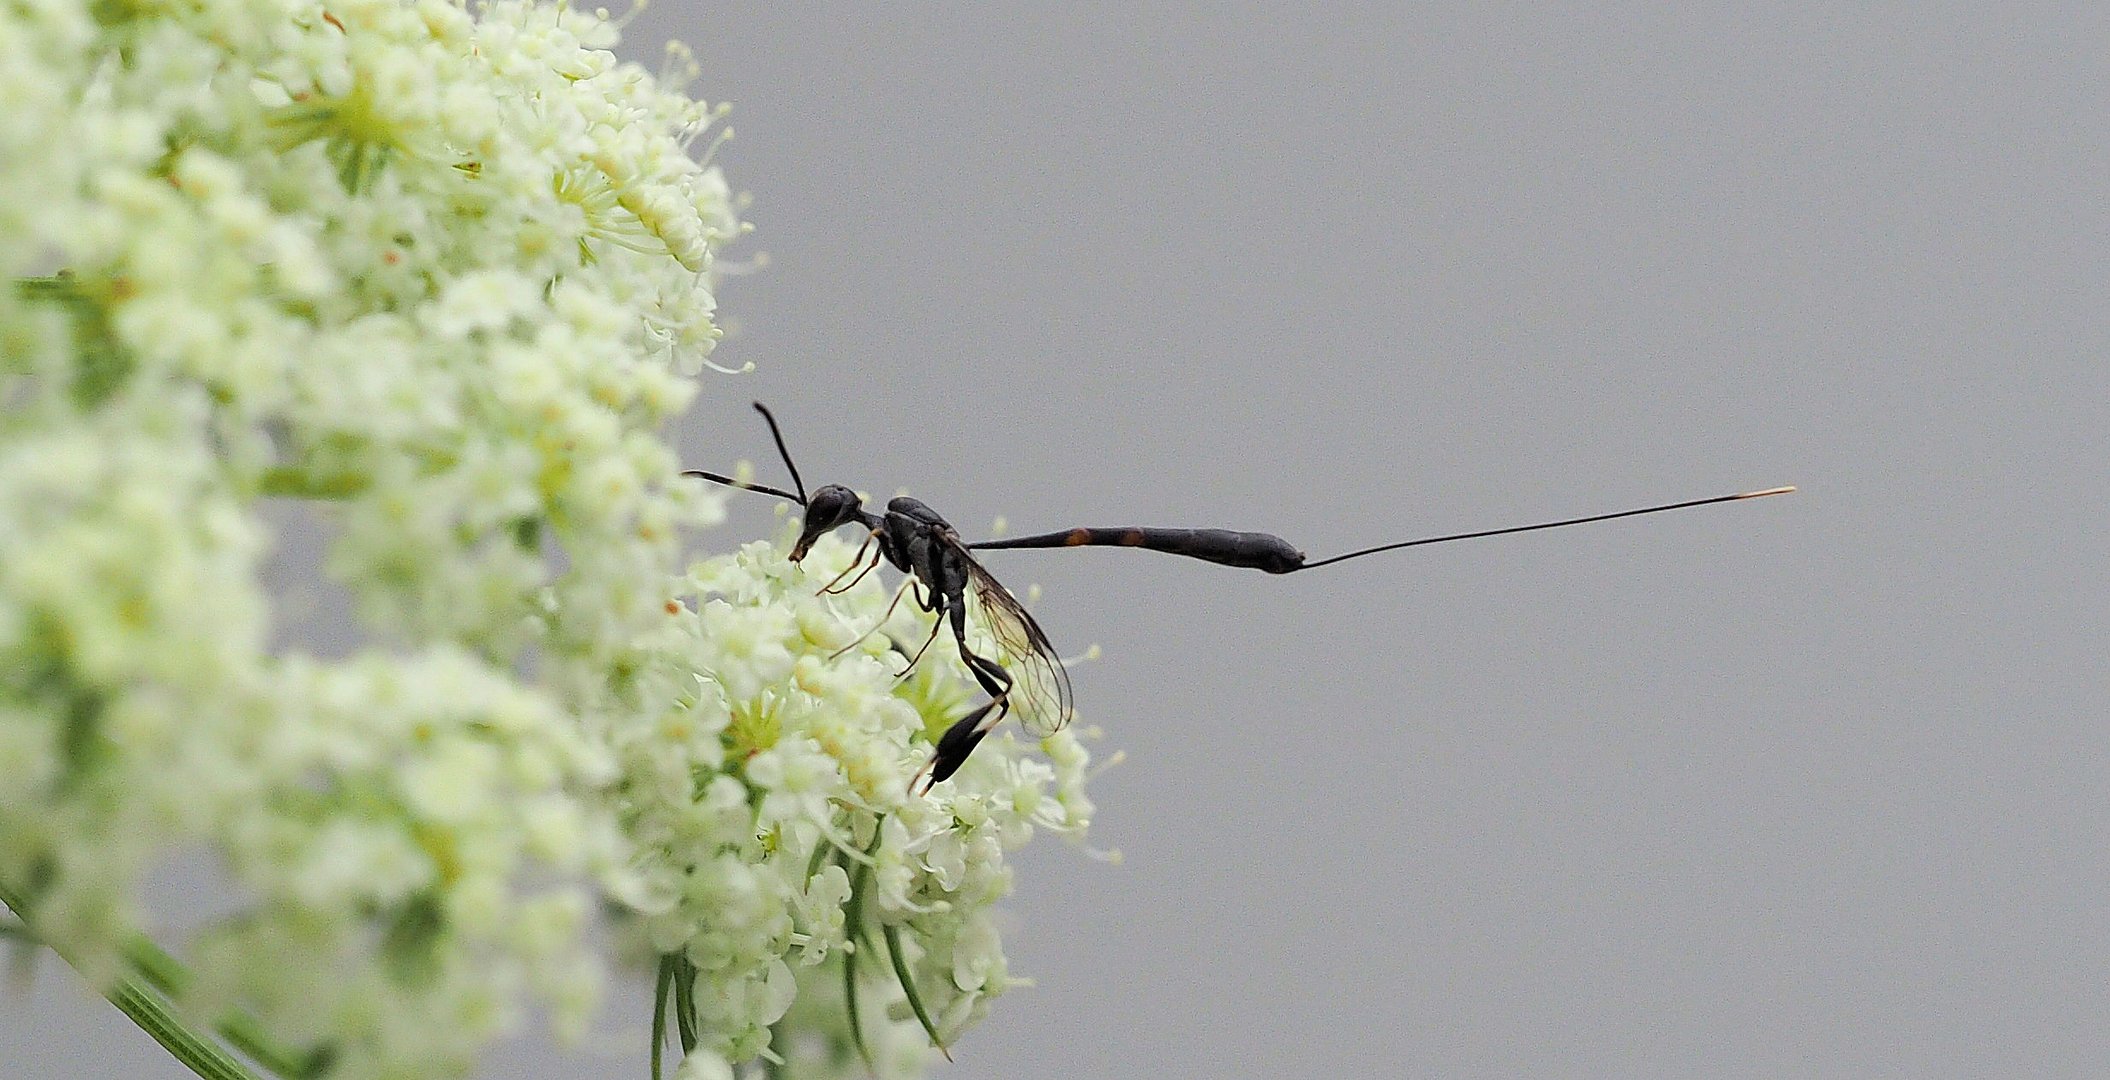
<point>1040,693</point>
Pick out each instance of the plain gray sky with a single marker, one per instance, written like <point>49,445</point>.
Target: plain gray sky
<point>1810,786</point>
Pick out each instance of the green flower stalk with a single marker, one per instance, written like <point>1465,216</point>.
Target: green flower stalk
<point>432,280</point>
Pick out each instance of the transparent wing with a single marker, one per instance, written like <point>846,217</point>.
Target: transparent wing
<point>1040,691</point>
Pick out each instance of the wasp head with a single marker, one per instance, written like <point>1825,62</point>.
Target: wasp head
<point>831,507</point>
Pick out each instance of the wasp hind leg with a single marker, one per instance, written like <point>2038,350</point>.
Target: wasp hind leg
<point>994,679</point>
<point>968,731</point>
<point>957,744</point>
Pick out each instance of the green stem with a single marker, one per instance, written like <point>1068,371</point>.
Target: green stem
<point>660,992</point>
<point>54,285</point>
<point>857,942</point>
<point>145,997</point>
<point>857,1031</point>
<point>685,1004</point>
<point>154,1016</point>
<point>773,1066</point>
<point>242,1031</point>
<point>908,987</point>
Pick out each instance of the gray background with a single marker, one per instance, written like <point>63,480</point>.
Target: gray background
<point>1804,787</point>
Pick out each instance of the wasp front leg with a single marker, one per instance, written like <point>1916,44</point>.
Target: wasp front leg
<point>855,561</point>
<point>876,627</point>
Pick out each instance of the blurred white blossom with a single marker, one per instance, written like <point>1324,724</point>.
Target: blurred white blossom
<point>441,274</point>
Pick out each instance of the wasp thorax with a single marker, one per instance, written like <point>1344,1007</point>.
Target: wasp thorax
<point>830,507</point>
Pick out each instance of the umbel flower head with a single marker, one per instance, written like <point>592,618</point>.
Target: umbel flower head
<point>432,280</point>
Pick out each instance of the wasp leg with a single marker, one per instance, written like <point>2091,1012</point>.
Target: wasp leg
<point>875,626</point>
<point>957,743</point>
<point>869,567</point>
<point>994,679</point>
<point>967,732</point>
<point>854,561</point>
<point>927,605</point>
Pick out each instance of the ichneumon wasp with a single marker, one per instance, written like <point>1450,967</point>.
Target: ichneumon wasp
<point>945,574</point>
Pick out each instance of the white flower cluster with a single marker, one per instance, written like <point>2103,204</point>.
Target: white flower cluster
<point>435,278</point>
<point>784,857</point>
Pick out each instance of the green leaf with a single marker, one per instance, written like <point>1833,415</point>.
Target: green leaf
<point>104,364</point>
<point>294,482</point>
<point>407,944</point>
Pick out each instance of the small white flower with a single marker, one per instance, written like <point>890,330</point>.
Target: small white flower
<point>820,912</point>
<point>484,300</point>
<point>978,956</point>
<point>704,1065</point>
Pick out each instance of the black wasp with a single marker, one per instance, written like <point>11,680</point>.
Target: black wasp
<point>919,542</point>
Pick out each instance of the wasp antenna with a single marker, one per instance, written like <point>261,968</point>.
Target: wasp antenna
<point>778,435</point>
<point>743,485</point>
